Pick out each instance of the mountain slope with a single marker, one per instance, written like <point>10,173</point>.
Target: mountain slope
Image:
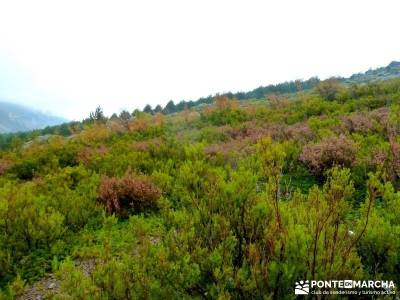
<point>391,71</point>
<point>14,118</point>
<point>208,204</point>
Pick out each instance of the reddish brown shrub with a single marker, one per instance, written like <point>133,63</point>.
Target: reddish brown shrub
<point>158,119</point>
<point>147,145</point>
<point>395,151</point>
<point>329,152</point>
<point>109,192</point>
<point>387,161</point>
<point>378,159</point>
<point>224,103</point>
<point>139,124</point>
<point>229,152</point>
<point>253,132</point>
<point>277,101</point>
<point>300,132</point>
<point>5,165</point>
<point>359,122</point>
<point>128,194</point>
<point>95,133</point>
<point>381,115</point>
<point>275,131</point>
<point>86,155</point>
<point>118,126</point>
<point>396,158</point>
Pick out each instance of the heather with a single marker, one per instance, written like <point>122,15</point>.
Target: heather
<point>235,199</point>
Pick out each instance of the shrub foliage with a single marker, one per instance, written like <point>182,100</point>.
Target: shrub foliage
<point>235,199</point>
<point>130,193</point>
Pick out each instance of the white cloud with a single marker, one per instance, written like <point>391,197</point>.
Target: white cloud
<point>124,54</point>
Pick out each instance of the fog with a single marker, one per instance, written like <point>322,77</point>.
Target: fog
<point>69,57</point>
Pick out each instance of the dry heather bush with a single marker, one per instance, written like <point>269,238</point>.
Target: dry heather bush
<point>186,116</point>
<point>358,122</point>
<point>300,132</point>
<point>277,101</point>
<point>86,155</point>
<point>139,124</point>
<point>239,132</point>
<point>388,161</point>
<point>395,147</point>
<point>128,194</point>
<point>381,115</point>
<point>227,148</point>
<point>250,110</point>
<point>228,152</point>
<point>147,145</point>
<point>221,103</point>
<point>378,159</point>
<point>329,152</point>
<point>118,126</point>
<point>253,132</point>
<point>224,103</point>
<point>97,132</point>
<point>275,131</point>
<point>395,150</point>
<point>143,123</point>
<point>243,140</point>
<point>158,119</point>
<point>5,165</point>
<point>207,110</point>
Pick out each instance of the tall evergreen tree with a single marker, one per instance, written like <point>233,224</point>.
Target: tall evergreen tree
<point>169,108</point>
<point>125,115</point>
<point>148,109</point>
<point>97,115</point>
<point>158,109</point>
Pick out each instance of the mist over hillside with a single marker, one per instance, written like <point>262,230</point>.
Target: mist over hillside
<point>391,71</point>
<point>30,123</point>
<point>19,118</point>
<point>15,118</point>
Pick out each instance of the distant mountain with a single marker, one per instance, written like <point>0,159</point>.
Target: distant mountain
<point>15,117</point>
<point>391,71</point>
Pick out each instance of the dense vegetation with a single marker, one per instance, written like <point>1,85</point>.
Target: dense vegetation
<point>237,200</point>
<point>287,89</point>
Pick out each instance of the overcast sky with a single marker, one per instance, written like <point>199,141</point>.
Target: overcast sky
<point>67,57</point>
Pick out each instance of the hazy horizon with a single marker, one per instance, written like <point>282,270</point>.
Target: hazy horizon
<point>69,58</point>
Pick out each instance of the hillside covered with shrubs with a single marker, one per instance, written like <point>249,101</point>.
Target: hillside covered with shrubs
<point>234,200</point>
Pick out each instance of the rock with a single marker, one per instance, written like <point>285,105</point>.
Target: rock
<point>51,286</point>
